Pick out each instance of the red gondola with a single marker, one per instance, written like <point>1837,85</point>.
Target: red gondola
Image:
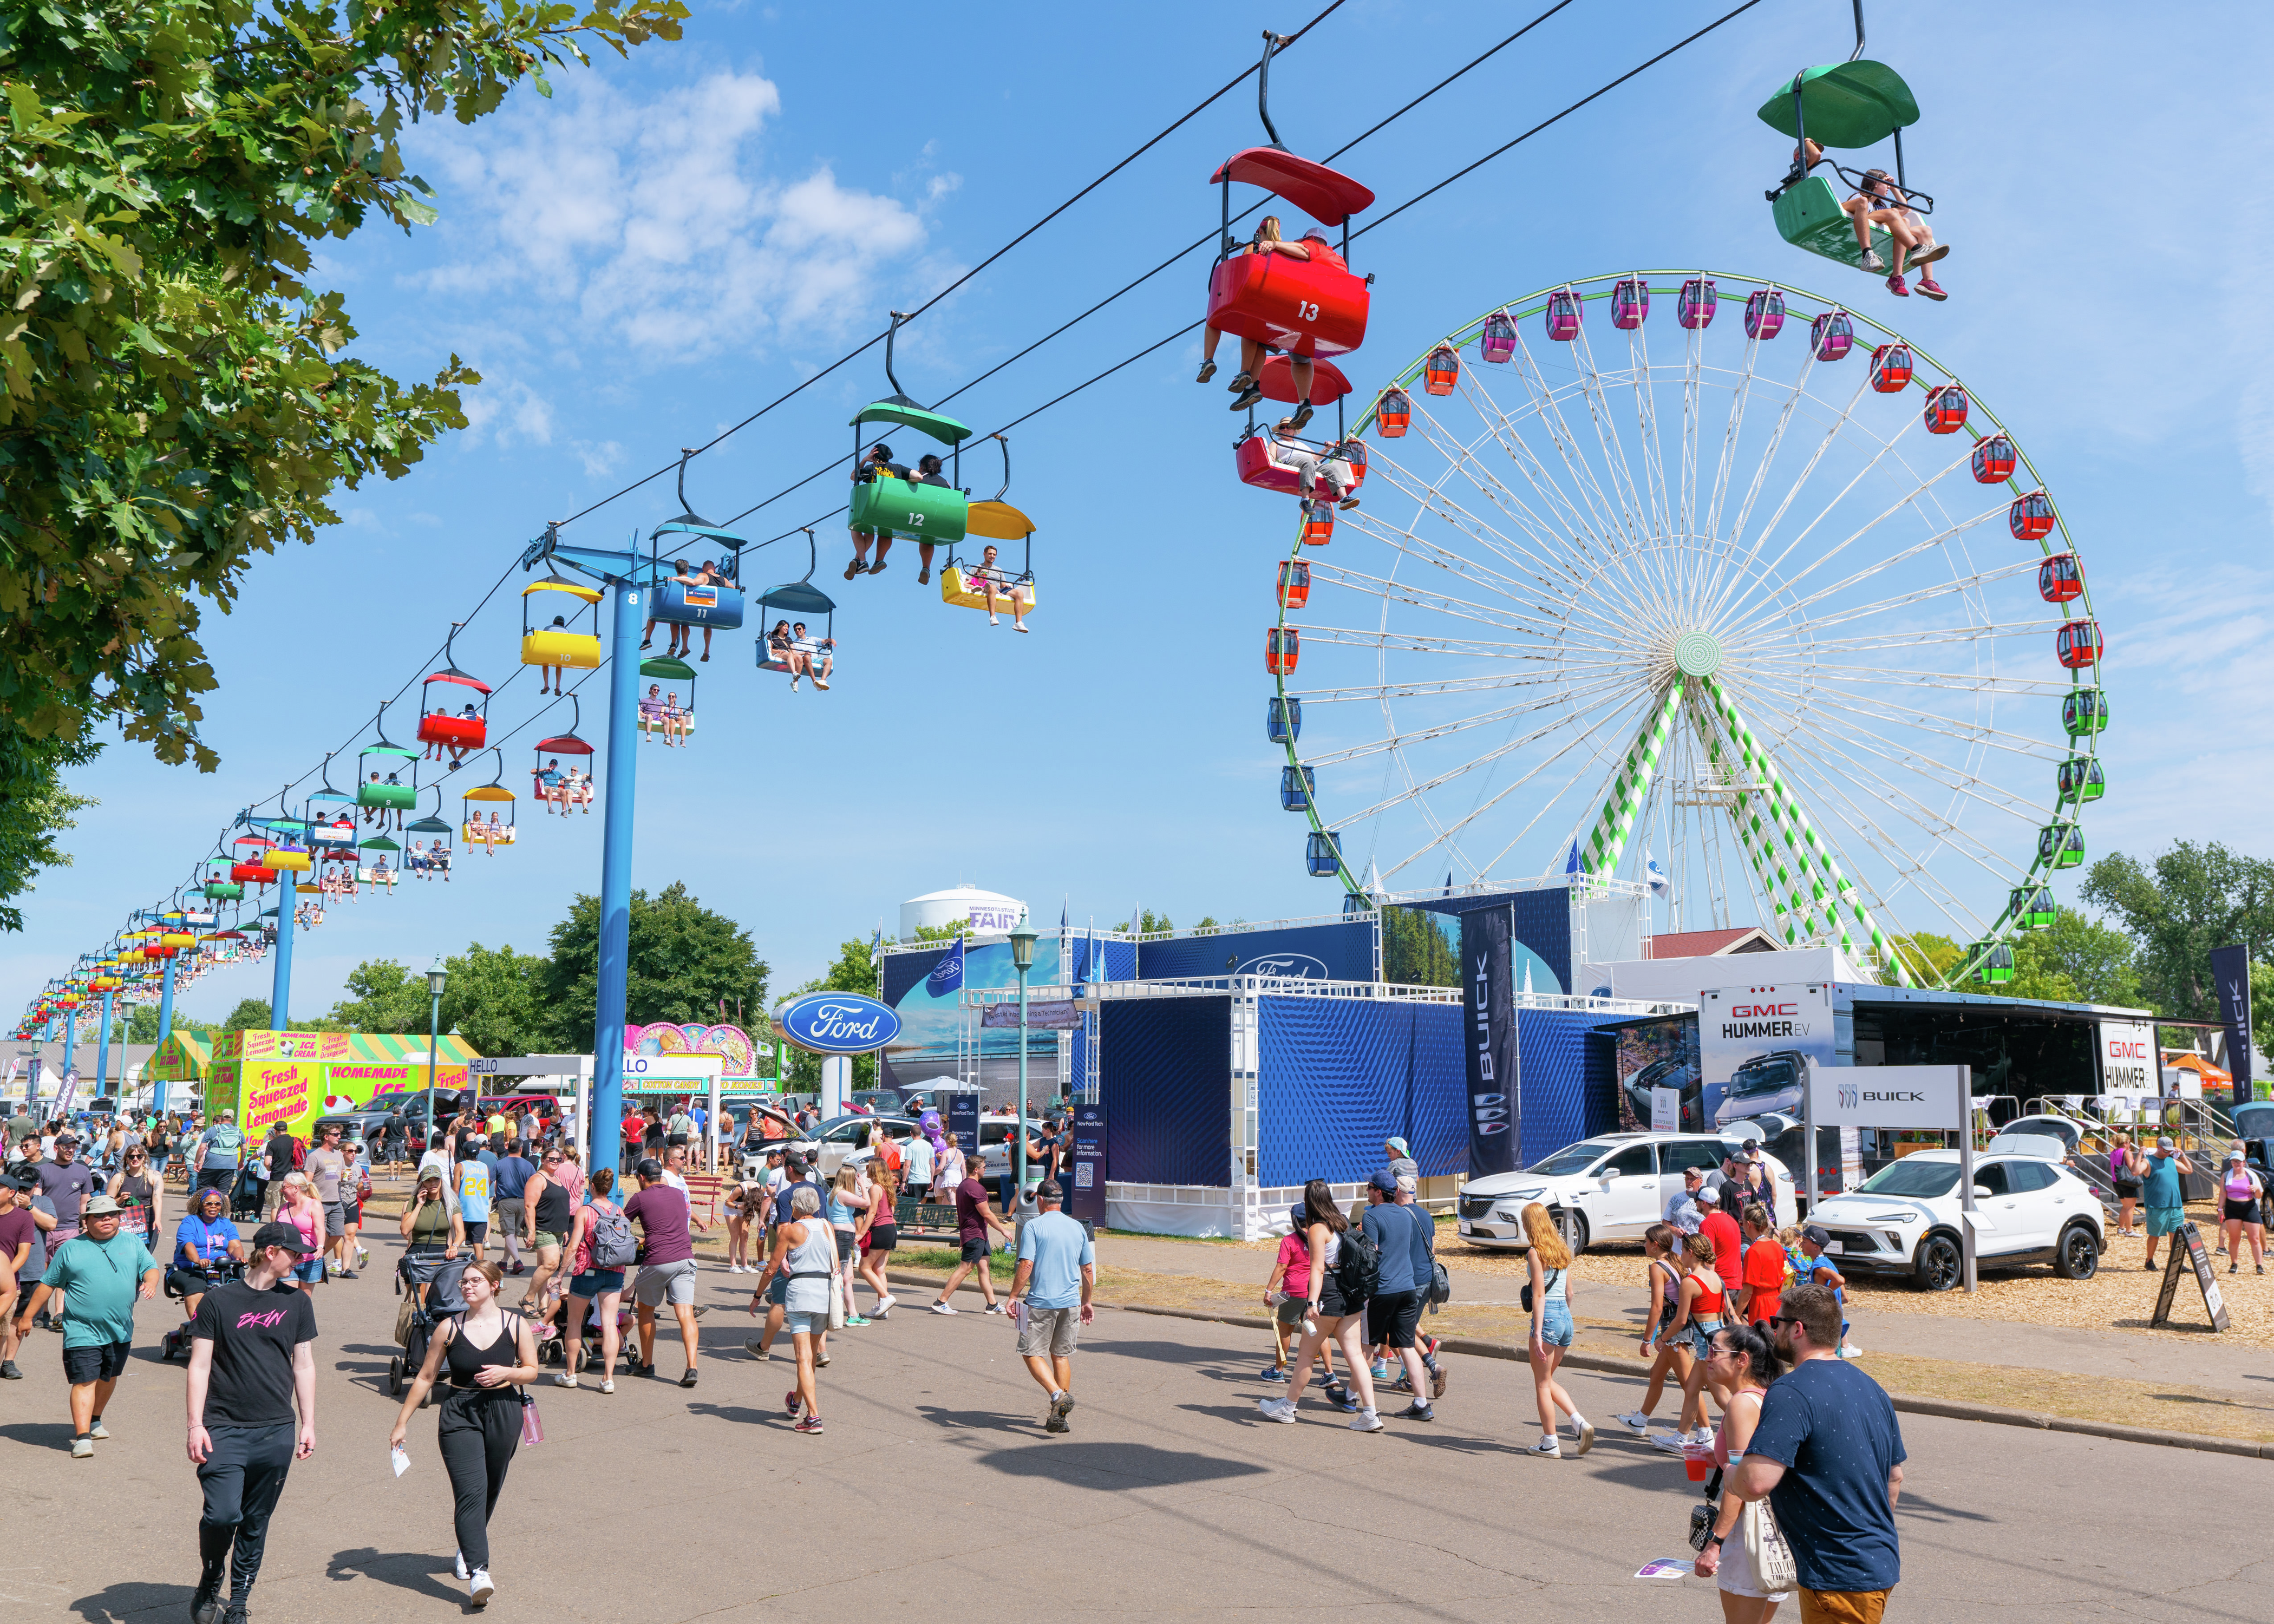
<point>1695,307</point>
<point>1256,467</point>
<point>1498,341</point>
<point>1394,415</point>
<point>1763,313</point>
<point>1283,646</point>
<point>2079,645</point>
<point>1945,409</point>
<point>1891,368</point>
<point>437,726</point>
<point>1995,460</point>
<point>1629,303</point>
<point>1294,584</point>
<point>1305,307</point>
<point>1563,315</point>
<point>2058,580</point>
<point>1318,523</point>
<point>1443,371</point>
<point>2030,518</point>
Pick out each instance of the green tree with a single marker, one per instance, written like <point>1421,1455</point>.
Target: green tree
<point>2095,961</point>
<point>682,959</point>
<point>34,810</point>
<point>249,1015</point>
<point>382,996</point>
<point>1148,924</point>
<point>1928,957</point>
<point>1414,953</point>
<point>494,1000</point>
<point>174,397</point>
<point>2191,900</point>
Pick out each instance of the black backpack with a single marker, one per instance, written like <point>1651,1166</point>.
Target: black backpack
<point>1358,1265</point>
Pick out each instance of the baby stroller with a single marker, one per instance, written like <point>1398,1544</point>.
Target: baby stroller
<point>176,1345</point>
<point>429,1289</point>
<point>247,1195</point>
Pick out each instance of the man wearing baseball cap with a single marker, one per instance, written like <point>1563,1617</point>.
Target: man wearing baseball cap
<point>252,1358</point>
<point>98,1269</point>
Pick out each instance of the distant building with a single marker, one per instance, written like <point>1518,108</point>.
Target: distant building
<point>988,912</point>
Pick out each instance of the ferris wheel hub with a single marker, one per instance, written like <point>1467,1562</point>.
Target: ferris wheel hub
<point>1697,653</point>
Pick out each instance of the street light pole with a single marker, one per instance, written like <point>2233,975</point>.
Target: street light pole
<point>435,977</point>
<point>1022,959</point>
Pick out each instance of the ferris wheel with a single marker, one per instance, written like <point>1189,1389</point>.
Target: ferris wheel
<point>1753,602</point>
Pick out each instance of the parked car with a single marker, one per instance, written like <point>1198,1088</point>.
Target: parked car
<point>367,1128</point>
<point>1764,1084</point>
<point>1612,1187</point>
<point>1904,1219</point>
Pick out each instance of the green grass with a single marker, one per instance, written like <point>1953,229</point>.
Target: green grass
<point>939,1260</point>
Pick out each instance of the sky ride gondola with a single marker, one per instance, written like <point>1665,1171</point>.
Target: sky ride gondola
<point>890,498</point>
<point>382,765</point>
<point>2081,779</point>
<point>490,833</point>
<point>712,597</point>
<point>794,598</point>
<point>440,727</point>
<point>559,643</point>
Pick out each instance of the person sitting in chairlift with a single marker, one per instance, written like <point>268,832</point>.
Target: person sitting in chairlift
<point>1879,202</point>
<point>1311,467</point>
<point>548,787</point>
<point>927,472</point>
<point>675,719</point>
<point>878,466</point>
<point>549,680</point>
<point>784,651</point>
<point>1246,388</point>
<point>652,714</point>
<point>997,585</point>
<point>820,654</point>
<point>707,574</point>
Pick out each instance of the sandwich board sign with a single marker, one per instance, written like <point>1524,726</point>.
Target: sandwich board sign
<point>2190,1258</point>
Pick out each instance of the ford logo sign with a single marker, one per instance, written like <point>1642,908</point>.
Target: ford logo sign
<point>1287,967</point>
<point>839,1023</point>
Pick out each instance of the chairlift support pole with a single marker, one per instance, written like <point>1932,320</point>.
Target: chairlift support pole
<point>102,1048</point>
<point>165,1031</point>
<point>288,898</point>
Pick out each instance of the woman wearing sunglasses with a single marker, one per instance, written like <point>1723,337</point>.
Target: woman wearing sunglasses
<point>1741,1358</point>
<point>140,1195</point>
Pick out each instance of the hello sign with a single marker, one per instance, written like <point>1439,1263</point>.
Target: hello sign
<point>838,1023</point>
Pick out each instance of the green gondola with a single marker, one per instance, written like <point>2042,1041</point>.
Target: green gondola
<point>669,667</point>
<point>2084,711</point>
<point>2082,779</point>
<point>887,506</point>
<point>1996,963</point>
<point>2060,845</point>
<point>2033,908</point>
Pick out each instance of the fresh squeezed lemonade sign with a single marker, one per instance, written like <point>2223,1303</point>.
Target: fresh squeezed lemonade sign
<point>277,1092</point>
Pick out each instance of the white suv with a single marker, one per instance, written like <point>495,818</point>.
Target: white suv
<point>1904,1219</point>
<point>1612,1187</point>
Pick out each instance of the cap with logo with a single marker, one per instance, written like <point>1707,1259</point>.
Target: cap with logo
<point>287,1235</point>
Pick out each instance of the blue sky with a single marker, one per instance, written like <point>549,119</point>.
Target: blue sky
<point>674,240</point>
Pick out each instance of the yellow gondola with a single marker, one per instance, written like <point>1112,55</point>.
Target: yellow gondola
<point>559,643</point>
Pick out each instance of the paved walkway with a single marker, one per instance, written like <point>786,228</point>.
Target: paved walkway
<point>934,1490</point>
<point>1931,1337</point>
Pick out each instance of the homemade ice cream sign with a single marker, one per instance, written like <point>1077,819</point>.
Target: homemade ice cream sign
<point>838,1023</point>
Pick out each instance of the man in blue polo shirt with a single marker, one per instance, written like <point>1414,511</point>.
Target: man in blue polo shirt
<point>1057,1271</point>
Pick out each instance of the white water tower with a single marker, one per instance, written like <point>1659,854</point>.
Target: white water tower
<point>990,913</point>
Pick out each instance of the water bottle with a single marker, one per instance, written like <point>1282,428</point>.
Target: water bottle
<point>532,1424</point>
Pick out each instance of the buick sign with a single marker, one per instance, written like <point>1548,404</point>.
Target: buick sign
<point>839,1023</point>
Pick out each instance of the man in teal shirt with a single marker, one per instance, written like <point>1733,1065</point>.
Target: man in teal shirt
<point>98,1271</point>
<point>1057,1271</point>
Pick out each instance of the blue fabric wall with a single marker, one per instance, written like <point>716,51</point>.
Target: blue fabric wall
<point>1166,1077</point>
<point>1341,950</point>
<point>1569,1079</point>
<point>1338,1076</point>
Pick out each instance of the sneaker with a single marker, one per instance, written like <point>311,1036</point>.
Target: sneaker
<point>1586,1435</point>
<point>940,1306</point>
<point>607,1387</point>
<point>856,1319</point>
<point>734,1269</point>
<point>82,1447</point>
<point>1342,1398</point>
<point>1061,1405</point>
<point>458,1565</point>
<point>884,1308</point>
<point>1247,397</point>
<point>997,1308</point>
<point>1381,1371</point>
<point>564,1378</point>
<point>205,1603</point>
<point>1366,1421</point>
<point>98,1431</point>
<point>9,1372</point>
<point>1302,415</point>
<point>1415,1411</point>
<point>757,1350</point>
<point>1547,1446</point>
<point>350,1275</point>
<point>808,1423</point>
<point>479,1587</point>
<point>1872,261</point>
<point>1703,1438</point>
<point>1931,288</point>
<point>1055,1423</point>
<point>820,1360</point>
<point>1277,1372</point>
<point>793,1402</point>
<point>1277,1409</point>
<point>1635,1420</point>
<point>1895,286</point>
<point>1242,381</point>
<point>1207,370</point>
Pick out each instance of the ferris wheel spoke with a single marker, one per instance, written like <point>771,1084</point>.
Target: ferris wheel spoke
<point>1741,395</point>
<point>1933,636</point>
<point>1647,526</point>
<point>1591,695</point>
<point>1797,669</point>
<point>1537,617</point>
<point>1421,787</point>
<point>1952,777</point>
<point>1436,556</point>
<point>2022,746</point>
<point>1565,518</point>
<point>1902,600</point>
<point>1457,514</point>
<point>1382,692</point>
<point>1752,569</point>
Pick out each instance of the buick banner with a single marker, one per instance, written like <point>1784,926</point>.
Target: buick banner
<point>1488,1027</point>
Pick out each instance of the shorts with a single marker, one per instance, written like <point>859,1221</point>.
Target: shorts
<point>798,1320</point>
<point>512,1214</point>
<point>597,1282</point>
<point>1698,1335</point>
<point>2127,1189</point>
<point>1332,1304</point>
<point>189,1282</point>
<point>335,1219</point>
<point>216,1178</point>
<point>884,1237</point>
<point>1392,1317</point>
<point>1841,1606</point>
<point>918,1194</point>
<point>975,1249</point>
<point>476,1232</point>
<point>778,1293</point>
<point>546,1237</point>
<point>103,1362</point>
<point>309,1270</point>
<point>676,1139</point>
<point>666,1282</point>
<point>2166,1219</point>
<point>1555,1324</point>
<point>2246,1209</point>
<point>1050,1330</point>
<point>1289,1313</point>
<point>844,1245</point>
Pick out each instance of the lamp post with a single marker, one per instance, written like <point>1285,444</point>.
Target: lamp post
<point>1022,959</point>
<point>435,977</point>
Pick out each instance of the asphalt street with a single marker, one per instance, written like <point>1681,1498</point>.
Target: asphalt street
<point>935,1493</point>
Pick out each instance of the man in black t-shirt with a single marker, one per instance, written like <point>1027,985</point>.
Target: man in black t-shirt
<point>251,1357</point>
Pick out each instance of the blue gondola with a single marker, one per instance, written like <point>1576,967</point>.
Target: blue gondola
<point>1282,721</point>
<point>1298,788</point>
<point>1323,854</point>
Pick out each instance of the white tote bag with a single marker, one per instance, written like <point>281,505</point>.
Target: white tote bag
<point>1774,1567</point>
<point>836,1301</point>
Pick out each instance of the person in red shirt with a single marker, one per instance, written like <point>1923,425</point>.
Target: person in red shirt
<point>1728,1251</point>
<point>1764,1266</point>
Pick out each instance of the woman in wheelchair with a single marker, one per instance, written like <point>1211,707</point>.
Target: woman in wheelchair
<point>205,1244</point>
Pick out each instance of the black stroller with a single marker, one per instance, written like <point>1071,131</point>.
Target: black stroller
<point>429,1289</point>
<point>247,1196</point>
<point>176,1345</point>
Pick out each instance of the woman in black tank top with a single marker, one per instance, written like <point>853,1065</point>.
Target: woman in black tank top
<point>492,1355</point>
<point>552,1215</point>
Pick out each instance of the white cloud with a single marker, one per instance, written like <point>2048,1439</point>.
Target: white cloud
<point>599,456</point>
<point>652,220</point>
<point>510,410</point>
